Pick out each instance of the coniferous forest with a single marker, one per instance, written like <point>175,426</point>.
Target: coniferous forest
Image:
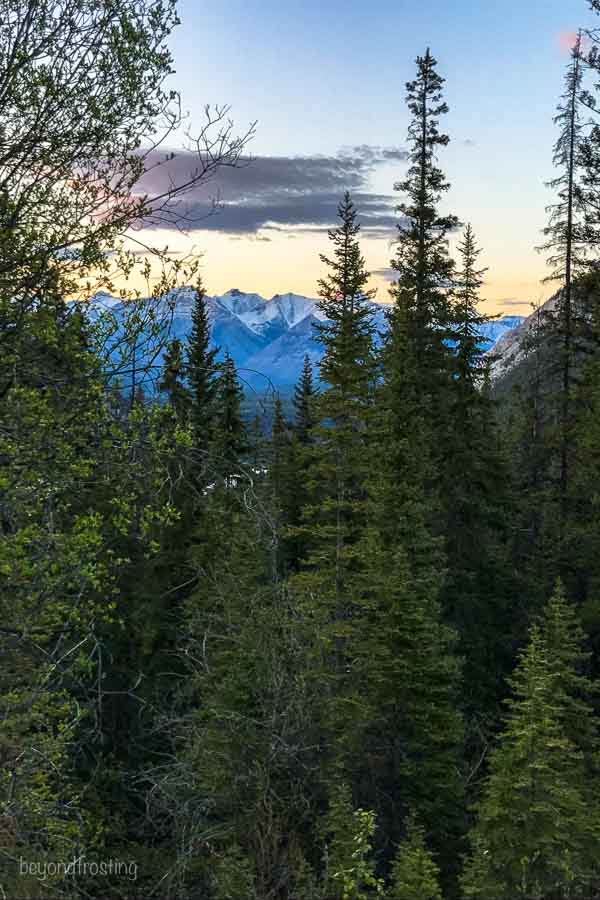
<point>347,651</point>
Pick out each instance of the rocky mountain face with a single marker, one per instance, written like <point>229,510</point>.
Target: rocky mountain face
<point>267,339</point>
<point>509,350</point>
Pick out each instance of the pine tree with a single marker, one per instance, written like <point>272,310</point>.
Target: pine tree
<point>418,361</point>
<point>476,496</point>
<point>349,864</point>
<point>304,397</point>
<point>348,368</point>
<point>538,823</point>
<point>284,490</point>
<point>470,367</point>
<point>415,875</point>
<point>229,444</point>
<point>336,473</point>
<point>347,332</point>
<point>172,385</point>
<point>294,453</point>
<point>424,268</point>
<point>407,753</point>
<point>582,536</point>
<point>201,370</point>
<point>247,743</point>
<point>566,239</point>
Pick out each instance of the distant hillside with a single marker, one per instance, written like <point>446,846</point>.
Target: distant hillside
<point>267,339</point>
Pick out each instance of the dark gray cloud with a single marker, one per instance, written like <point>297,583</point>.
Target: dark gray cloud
<point>278,193</point>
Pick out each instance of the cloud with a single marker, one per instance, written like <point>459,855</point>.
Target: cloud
<point>386,272</point>
<point>278,192</point>
<point>509,301</point>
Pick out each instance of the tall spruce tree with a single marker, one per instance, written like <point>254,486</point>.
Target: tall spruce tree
<point>304,397</point>
<point>229,444</point>
<point>477,499</point>
<point>418,361</point>
<point>415,875</point>
<point>348,369</point>
<point>292,446</point>
<point>470,345</point>
<point>337,470</point>
<point>172,382</point>
<point>201,370</point>
<point>538,823</point>
<point>284,491</point>
<point>566,243</point>
<point>422,261</point>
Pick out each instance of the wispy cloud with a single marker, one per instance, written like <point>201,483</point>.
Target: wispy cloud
<point>387,273</point>
<point>280,192</point>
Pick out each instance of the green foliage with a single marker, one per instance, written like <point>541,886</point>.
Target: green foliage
<point>480,585</point>
<point>229,440</point>
<point>350,870</point>
<point>422,311</point>
<point>415,875</point>
<point>304,396</point>
<point>337,467</point>
<point>232,654</point>
<point>172,385</point>
<point>538,820</point>
<point>201,370</point>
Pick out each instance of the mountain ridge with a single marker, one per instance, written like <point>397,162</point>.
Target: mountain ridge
<point>267,338</point>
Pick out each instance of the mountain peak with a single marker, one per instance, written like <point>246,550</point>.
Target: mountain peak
<point>266,338</point>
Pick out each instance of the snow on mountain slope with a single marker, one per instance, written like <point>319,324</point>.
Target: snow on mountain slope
<point>496,328</point>
<point>267,339</point>
<point>281,361</point>
<point>295,307</point>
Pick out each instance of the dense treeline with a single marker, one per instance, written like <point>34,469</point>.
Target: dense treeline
<point>355,656</point>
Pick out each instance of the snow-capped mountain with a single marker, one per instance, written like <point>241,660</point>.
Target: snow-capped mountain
<point>268,339</point>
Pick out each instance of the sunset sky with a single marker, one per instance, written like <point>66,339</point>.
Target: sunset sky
<point>326,82</point>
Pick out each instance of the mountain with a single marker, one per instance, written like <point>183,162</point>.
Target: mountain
<point>267,339</point>
<point>509,351</point>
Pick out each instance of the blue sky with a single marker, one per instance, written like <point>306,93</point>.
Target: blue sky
<point>321,77</point>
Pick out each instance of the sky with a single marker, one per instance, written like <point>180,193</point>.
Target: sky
<point>325,83</point>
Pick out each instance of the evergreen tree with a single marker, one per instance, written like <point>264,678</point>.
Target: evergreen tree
<point>349,865</point>
<point>476,494</point>
<point>241,784</point>
<point>418,362</point>
<point>285,489</point>
<point>424,268</point>
<point>201,370</point>
<point>414,874</point>
<point>292,448</point>
<point>229,444</point>
<point>566,242</point>
<point>582,537</point>
<point>172,385</point>
<point>338,465</point>
<point>470,345</point>
<point>538,824</point>
<point>304,397</point>
<point>407,752</point>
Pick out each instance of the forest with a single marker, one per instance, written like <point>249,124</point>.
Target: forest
<point>351,653</point>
